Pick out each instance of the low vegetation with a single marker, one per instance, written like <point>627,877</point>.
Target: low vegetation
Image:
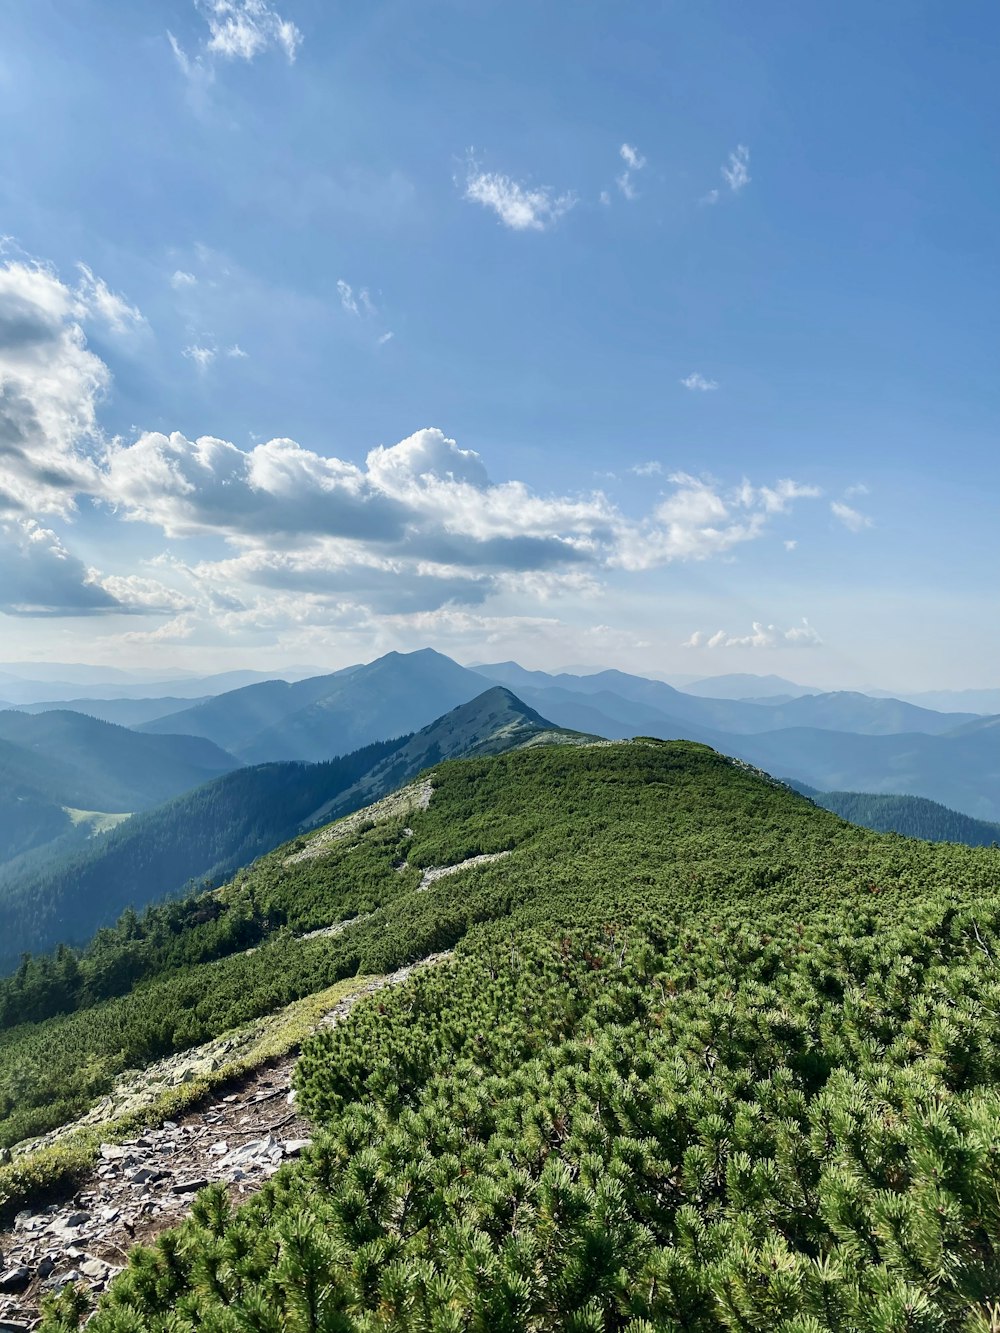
<point>708,1058</point>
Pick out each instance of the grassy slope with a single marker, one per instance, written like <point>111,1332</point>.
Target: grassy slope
<point>709,1058</point>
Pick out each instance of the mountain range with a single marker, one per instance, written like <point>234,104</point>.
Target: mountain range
<point>66,775</point>
<point>61,770</point>
<point>206,834</point>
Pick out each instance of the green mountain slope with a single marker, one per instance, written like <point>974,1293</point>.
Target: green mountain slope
<point>707,1058</point>
<point>912,816</point>
<point>204,834</point>
<point>79,761</point>
<point>494,721</point>
<point>208,833</point>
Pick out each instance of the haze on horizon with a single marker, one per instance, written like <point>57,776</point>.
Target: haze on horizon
<point>662,341</point>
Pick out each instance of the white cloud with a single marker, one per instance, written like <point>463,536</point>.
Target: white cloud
<point>700,520</point>
<point>237,30</point>
<point>791,544</point>
<point>852,519</point>
<point>346,293</point>
<point>634,161</point>
<point>760,636</point>
<point>177,630</point>
<point>50,385</point>
<point>201,356</point>
<point>651,469</point>
<point>359,304</point>
<point>180,279</point>
<point>417,525</point>
<point>520,207</point>
<point>736,173</point>
<point>776,499</point>
<point>604,197</point>
<point>244,29</point>
<point>40,577</point>
<point>699,383</point>
<point>98,299</point>
<point>236,352</point>
<point>383,338</point>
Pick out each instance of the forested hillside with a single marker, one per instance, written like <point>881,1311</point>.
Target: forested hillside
<point>708,1058</point>
<point>208,833</point>
<point>82,762</point>
<point>913,816</point>
<point>203,835</point>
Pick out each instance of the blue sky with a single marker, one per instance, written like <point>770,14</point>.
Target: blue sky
<point>660,336</point>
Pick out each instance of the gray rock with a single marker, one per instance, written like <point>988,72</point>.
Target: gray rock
<point>188,1186</point>
<point>145,1175</point>
<point>293,1147</point>
<point>15,1279</point>
<point>76,1219</point>
<point>62,1279</point>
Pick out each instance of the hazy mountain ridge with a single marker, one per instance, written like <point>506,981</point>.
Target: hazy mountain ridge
<point>96,765</point>
<point>325,715</point>
<point>840,710</point>
<point>210,832</point>
<point>911,816</point>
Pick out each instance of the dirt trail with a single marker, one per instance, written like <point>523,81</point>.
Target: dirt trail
<point>239,1135</point>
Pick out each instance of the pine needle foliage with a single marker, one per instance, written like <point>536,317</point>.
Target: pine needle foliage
<point>706,1059</point>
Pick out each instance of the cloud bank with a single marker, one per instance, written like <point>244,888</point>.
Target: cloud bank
<point>417,527</point>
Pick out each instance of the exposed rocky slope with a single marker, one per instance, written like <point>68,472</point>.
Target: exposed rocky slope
<point>239,1136</point>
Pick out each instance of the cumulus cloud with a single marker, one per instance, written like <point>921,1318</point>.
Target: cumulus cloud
<point>634,162</point>
<point>851,518</point>
<point>50,385</point>
<point>651,469</point>
<point>181,279</point>
<point>41,578</point>
<point>760,636</point>
<point>698,383</point>
<point>700,519</point>
<point>518,206</point>
<point>244,29</point>
<point>417,525</point>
